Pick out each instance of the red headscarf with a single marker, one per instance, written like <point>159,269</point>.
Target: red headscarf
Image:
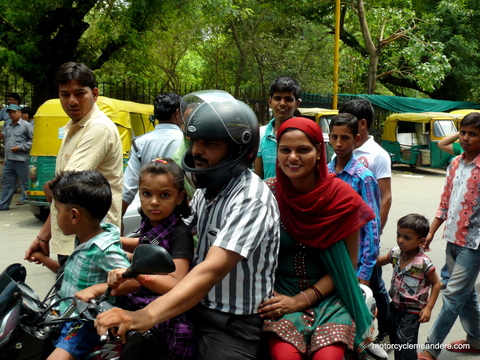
<point>331,211</point>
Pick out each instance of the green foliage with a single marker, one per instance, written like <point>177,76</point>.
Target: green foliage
<point>457,29</point>
<point>429,46</point>
<point>35,41</point>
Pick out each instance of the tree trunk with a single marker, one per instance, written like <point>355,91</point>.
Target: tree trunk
<point>371,48</point>
<point>372,73</point>
<point>42,91</point>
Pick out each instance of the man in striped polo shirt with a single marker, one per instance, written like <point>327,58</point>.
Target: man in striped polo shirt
<point>237,221</point>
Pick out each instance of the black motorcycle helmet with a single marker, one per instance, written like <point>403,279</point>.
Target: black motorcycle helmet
<point>215,115</point>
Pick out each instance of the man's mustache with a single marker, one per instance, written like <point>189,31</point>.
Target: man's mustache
<point>199,159</point>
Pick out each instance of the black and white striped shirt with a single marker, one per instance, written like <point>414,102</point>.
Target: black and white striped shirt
<point>243,218</point>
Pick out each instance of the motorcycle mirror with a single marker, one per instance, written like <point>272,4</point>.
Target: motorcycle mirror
<point>150,259</point>
<point>17,272</point>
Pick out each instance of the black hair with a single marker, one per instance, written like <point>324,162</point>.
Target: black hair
<point>415,222</point>
<point>361,108</point>
<point>346,119</point>
<point>165,105</point>
<point>285,83</point>
<point>14,95</point>
<point>80,72</point>
<point>88,189</point>
<point>29,111</point>
<point>166,166</point>
<point>471,119</point>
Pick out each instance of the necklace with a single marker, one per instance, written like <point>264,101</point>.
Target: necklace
<point>405,260</point>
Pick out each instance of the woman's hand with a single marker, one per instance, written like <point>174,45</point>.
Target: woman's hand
<point>277,306</point>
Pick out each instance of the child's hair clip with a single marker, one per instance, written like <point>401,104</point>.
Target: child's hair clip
<point>160,160</point>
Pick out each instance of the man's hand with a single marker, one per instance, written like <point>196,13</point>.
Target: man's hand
<point>15,149</point>
<point>120,321</point>
<point>35,246</point>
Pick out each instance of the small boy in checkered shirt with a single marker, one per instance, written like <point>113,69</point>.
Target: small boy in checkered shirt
<point>82,200</point>
<point>413,277</point>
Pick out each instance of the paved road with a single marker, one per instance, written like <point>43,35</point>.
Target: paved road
<point>414,190</point>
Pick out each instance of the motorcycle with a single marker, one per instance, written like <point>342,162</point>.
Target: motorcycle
<point>30,326</point>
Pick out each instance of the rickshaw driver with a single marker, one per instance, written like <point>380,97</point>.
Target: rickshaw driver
<point>91,142</point>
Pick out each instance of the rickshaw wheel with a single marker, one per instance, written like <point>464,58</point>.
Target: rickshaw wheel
<point>43,214</point>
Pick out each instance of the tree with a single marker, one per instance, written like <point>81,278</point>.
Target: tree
<point>400,50</point>
<point>457,29</point>
<point>35,43</point>
<point>260,41</point>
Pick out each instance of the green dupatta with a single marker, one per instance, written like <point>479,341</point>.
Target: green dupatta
<point>337,260</point>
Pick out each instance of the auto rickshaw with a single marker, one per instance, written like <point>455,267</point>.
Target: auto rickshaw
<point>132,119</point>
<point>462,113</point>
<point>322,117</point>
<point>412,138</point>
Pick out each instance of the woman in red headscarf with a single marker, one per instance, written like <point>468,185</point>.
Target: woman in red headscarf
<point>317,311</point>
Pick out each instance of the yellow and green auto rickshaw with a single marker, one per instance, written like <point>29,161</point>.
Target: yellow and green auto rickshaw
<point>322,117</point>
<point>461,113</point>
<point>132,119</point>
<point>412,138</point>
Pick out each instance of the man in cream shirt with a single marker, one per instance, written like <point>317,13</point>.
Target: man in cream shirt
<point>91,142</point>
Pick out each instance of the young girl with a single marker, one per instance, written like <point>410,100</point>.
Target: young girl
<point>163,203</point>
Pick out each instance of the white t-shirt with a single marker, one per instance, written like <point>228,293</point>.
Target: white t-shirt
<point>375,158</point>
<point>262,131</point>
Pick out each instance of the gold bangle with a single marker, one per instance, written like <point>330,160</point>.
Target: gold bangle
<point>314,294</point>
<point>320,291</point>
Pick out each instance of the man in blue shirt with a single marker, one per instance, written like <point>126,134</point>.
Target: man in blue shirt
<point>12,98</point>
<point>343,136</point>
<point>161,142</point>
<point>17,136</point>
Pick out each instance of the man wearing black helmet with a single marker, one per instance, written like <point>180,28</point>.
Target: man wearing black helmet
<point>237,220</point>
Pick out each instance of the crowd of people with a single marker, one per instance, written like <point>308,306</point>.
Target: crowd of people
<point>255,224</point>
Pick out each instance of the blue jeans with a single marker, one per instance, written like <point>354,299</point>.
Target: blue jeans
<point>459,298</point>
<point>77,338</point>
<point>403,329</point>
<point>444,274</point>
<point>12,171</point>
<point>381,298</point>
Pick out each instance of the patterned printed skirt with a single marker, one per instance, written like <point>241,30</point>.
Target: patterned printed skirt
<point>327,323</point>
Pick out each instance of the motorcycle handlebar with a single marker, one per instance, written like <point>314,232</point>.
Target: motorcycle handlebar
<point>131,335</point>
